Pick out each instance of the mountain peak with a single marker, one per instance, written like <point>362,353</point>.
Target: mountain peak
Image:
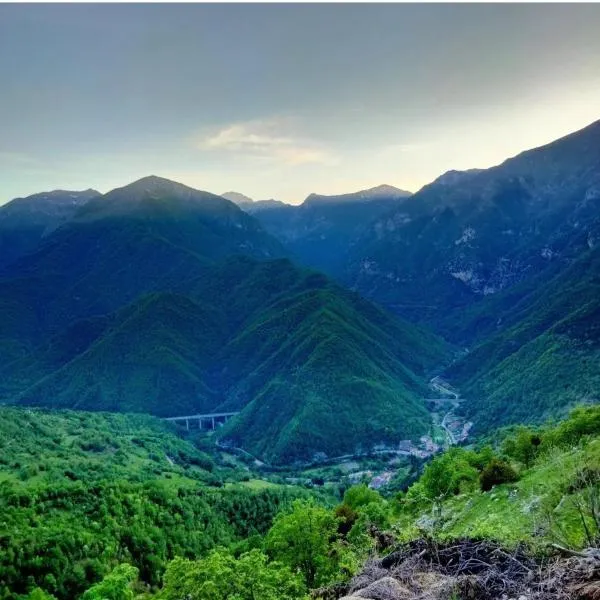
<point>379,192</point>
<point>237,198</point>
<point>152,184</point>
<point>385,190</point>
<point>453,176</point>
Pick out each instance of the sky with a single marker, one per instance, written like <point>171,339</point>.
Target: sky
<point>278,101</point>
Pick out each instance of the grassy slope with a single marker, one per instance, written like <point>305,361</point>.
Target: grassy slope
<point>539,509</point>
<point>39,447</point>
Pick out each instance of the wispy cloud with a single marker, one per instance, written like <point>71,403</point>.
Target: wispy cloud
<point>274,140</point>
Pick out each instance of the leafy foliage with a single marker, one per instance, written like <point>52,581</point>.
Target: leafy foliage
<point>117,585</point>
<point>302,539</point>
<point>83,492</point>
<point>220,576</point>
<point>496,472</point>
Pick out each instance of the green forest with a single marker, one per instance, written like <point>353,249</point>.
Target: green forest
<point>105,506</point>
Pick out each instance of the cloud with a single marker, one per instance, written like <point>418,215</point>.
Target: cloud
<point>273,140</point>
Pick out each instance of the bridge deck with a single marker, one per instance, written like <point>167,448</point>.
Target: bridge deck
<point>205,416</point>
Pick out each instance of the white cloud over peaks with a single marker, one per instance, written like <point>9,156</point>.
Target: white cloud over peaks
<point>273,140</point>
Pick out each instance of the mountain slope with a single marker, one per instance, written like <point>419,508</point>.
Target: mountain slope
<point>152,358</point>
<point>343,380</point>
<point>320,231</point>
<point>138,304</point>
<point>469,235</point>
<point>285,346</point>
<point>542,356</point>
<point>142,238</point>
<point>237,198</point>
<point>25,221</point>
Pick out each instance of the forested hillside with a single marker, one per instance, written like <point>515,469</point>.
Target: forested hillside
<point>117,502</point>
<point>542,354</point>
<point>82,492</point>
<point>187,324</point>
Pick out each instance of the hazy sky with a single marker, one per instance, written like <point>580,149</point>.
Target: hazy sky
<point>283,100</point>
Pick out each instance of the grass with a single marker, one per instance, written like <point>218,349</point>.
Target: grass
<point>538,509</point>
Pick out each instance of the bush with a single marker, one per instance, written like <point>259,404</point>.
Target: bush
<point>523,446</point>
<point>448,474</point>
<point>497,471</point>
<point>360,495</point>
<point>347,517</point>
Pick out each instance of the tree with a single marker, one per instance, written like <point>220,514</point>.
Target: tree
<point>523,446</point>
<point>445,474</point>
<point>39,594</point>
<point>304,539</point>
<point>220,576</point>
<point>361,495</point>
<point>117,585</point>
<point>497,471</point>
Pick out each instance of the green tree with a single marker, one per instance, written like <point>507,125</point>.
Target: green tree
<point>39,594</point>
<point>523,446</point>
<point>220,576</point>
<point>361,495</point>
<point>445,474</point>
<point>304,539</point>
<point>117,585</point>
<point>497,471</point>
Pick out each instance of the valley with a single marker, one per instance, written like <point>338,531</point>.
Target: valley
<point>369,370</point>
<point>385,367</point>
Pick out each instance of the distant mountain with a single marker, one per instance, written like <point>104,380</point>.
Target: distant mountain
<point>144,301</point>
<point>252,206</point>
<point>237,198</point>
<point>145,237</point>
<point>259,205</point>
<point>503,261</point>
<point>385,192</point>
<point>25,221</point>
<point>472,234</point>
<point>321,231</point>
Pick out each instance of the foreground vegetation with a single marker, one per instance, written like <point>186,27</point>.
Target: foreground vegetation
<point>89,508</point>
<point>82,492</point>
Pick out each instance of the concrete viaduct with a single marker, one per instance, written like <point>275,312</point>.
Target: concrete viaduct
<point>210,420</point>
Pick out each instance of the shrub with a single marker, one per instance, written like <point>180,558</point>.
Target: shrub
<point>360,495</point>
<point>347,517</point>
<point>497,471</point>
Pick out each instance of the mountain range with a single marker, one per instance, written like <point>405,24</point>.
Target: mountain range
<point>322,322</point>
<point>320,231</point>
<point>159,298</point>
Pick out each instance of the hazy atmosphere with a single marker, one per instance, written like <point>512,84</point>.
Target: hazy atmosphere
<point>282,100</point>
